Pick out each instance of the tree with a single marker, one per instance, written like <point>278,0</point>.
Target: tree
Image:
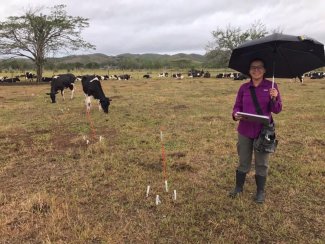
<point>35,35</point>
<point>225,41</point>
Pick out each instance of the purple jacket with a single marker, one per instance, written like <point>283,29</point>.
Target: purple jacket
<point>244,103</point>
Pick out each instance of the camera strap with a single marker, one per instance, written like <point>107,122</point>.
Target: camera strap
<point>255,101</point>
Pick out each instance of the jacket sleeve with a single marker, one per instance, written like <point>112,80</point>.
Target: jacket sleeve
<point>276,105</point>
<point>238,107</point>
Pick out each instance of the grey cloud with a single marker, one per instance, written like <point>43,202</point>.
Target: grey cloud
<point>139,26</point>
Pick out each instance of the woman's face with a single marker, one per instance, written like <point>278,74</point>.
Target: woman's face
<point>257,70</point>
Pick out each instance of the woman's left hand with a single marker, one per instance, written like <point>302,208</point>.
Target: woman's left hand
<point>273,93</point>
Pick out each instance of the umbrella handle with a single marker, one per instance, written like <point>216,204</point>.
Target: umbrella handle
<point>273,82</point>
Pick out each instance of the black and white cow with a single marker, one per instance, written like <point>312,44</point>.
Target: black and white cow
<point>164,74</point>
<point>178,76</point>
<point>30,76</point>
<point>10,80</point>
<point>240,76</point>
<point>317,75</point>
<point>147,76</point>
<point>92,88</point>
<point>207,74</point>
<point>113,77</point>
<point>61,82</point>
<point>46,79</point>
<point>195,73</point>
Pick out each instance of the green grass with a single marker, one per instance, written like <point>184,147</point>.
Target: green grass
<point>57,189</point>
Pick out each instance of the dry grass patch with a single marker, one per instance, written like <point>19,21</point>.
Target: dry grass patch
<point>57,188</point>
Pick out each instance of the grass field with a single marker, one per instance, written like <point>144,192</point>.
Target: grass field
<point>54,188</point>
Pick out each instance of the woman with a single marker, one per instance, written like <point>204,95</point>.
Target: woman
<point>270,101</point>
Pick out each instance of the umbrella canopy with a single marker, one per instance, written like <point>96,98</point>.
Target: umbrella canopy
<point>285,56</point>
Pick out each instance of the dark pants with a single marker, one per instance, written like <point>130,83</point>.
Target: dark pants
<point>245,153</point>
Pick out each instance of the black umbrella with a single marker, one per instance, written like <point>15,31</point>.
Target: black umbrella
<point>285,56</point>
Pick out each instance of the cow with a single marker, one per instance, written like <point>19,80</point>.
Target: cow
<point>207,74</point>
<point>29,76</point>
<point>92,88</point>
<point>124,77</point>
<point>10,80</point>
<point>113,77</point>
<point>178,76</point>
<point>317,75</point>
<point>99,77</point>
<point>46,79</point>
<point>195,73</point>
<point>240,76</point>
<point>146,76</point>
<point>164,74</point>
<point>61,82</point>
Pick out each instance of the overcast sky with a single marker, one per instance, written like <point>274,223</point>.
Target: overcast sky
<point>174,26</point>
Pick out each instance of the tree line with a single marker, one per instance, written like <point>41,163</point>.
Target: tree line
<point>115,63</point>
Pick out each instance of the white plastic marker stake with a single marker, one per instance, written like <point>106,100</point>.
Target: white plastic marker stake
<point>87,142</point>
<point>161,135</point>
<point>100,138</point>
<point>148,190</point>
<point>175,195</point>
<point>157,200</point>
<point>166,185</point>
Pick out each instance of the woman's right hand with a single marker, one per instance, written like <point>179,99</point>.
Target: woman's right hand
<point>238,117</point>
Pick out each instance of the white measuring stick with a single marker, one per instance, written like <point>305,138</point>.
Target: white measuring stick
<point>175,195</point>
<point>148,190</point>
<point>157,200</point>
<point>166,185</point>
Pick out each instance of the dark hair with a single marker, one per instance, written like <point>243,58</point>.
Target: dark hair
<point>257,59</point>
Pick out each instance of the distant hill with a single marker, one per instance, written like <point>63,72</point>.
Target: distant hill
<point>124,61</point>
<point>102,58</point>
<point>87,58</point>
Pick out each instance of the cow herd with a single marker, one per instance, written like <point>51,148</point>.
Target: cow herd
<point>91,84</point>
<point>315,75</point>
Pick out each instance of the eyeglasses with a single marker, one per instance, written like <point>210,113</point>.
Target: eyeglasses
<point>259,68</point>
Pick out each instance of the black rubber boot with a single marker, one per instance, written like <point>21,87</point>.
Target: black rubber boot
<point>240,180</point>
<point>260,192</point>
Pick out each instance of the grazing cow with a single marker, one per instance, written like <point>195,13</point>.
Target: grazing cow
<point>146,76</point>
<point>124,77</point>
<point>92,88</point>
<point>61,82</point>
